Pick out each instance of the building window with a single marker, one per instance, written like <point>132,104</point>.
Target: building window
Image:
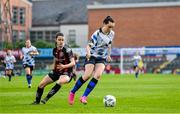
<point>15,35</point>
<point>33,36</point>
<point>72,37</point>
<point>48,35</point>
<point>40,35</point>
<point>54,34</point>
<point>15,15</point>
<point>22,16</point>
<point>22,35</point>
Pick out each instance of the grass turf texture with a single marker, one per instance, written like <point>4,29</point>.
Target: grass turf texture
<point>149,94</point>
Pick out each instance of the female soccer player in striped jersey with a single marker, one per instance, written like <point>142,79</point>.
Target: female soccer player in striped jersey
<point>98,53</point>
<point>28,54</point>
<point>138,64</point>
<point>9,63</point>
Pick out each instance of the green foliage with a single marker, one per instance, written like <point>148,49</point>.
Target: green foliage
<point>13,45</point>
<point>43,44</point>
<point>73,45</point>
<point>7,45</point>
<point>19,44</point>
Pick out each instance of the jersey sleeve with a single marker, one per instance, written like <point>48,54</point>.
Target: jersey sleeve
<point>22,50</point>
<point>69,53</point>
<point>112,37</point>
<point>140,58</point>
<point>5,58</point>
<point>93,40</point>
<point>54,52</point>
<point>34,48</point>
<point>14,59</point>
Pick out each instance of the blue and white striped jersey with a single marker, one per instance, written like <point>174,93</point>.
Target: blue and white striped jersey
<point>136,59</point>
<point>100,42</point>
<point>9,60</point>
<point>27,59</point>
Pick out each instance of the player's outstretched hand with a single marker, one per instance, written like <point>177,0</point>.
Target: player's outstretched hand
<point>88,56</point>
<point>60,66</point>
<point>109,59</point>
<point>33,53</point>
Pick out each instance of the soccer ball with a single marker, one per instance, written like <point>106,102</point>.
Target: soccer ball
<point>109,101</point>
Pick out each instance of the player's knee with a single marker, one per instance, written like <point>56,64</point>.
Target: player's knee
<point>63,80</point>
<point>97,77</point>
<point>87,74</point>
<point>86,77</point>
<point>42,85</point>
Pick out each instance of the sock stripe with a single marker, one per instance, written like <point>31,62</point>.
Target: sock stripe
<point>78,84</point>
<point>90,87</point>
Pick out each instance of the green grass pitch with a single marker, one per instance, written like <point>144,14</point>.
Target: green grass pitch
<point>151,93</point>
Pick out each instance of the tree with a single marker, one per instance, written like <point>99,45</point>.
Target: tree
<point>19,44</point>
<point>7,45</point>
<point>43,44</point>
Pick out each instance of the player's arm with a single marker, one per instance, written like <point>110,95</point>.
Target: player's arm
<point>88,53</point>
<point>54,61</point>
<point>76,57</point>
<point>109,48</point>
<point>21,55</point>
<point>34,53</point>
<point>77,60</point>
<point>54,56</point>
<point>5,61</point>
<point>71,64</point>
<point>109,54</point>
<point>14,59</point>
<point>133,59</point>
<point>71,58</point>
<point>91,44</point>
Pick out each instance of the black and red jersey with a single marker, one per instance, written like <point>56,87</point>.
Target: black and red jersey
<point>63,56</point>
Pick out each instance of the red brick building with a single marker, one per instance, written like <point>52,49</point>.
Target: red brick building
<point>140,24</point>
<point>20,13</point>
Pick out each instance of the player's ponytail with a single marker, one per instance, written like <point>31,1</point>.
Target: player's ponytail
<point>107,19</point>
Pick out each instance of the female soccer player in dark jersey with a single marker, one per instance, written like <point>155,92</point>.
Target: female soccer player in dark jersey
<point>98,52</point>
<point>62,72</point>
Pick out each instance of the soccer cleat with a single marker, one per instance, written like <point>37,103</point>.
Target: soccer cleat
<point>44,100</point>
<point>71,98</point>
<point>29,85</point>
<point>35,103</point>
<point>83,100</point>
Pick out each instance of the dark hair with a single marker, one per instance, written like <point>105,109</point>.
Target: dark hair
<point>59,34</point>
<point>107,19</point>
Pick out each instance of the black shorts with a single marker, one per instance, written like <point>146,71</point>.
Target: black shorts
<point>28,66</point>
<point>55,76</point>
<point>94,60</point>
<point>135,66</point>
